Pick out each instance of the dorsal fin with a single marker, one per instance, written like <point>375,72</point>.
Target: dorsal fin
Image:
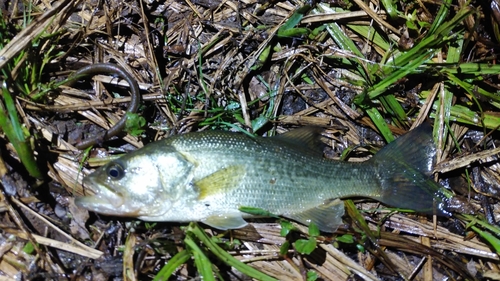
<point>305,138</point>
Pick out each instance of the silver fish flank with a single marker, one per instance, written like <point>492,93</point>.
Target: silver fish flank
<point>208,176</point>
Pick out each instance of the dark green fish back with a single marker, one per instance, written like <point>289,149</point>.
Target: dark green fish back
<point>280,175</point>
<point>286,176</point>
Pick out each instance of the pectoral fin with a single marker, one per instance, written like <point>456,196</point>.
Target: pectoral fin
<point>327,217</point>
<point>221,181</point>
<point>225,221</point>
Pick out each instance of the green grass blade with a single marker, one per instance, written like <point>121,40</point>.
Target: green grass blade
<point>403,59</point>
<point>344,42</point>
<point>493,228</point>
<point>168,269</point>
<point>492,234</point>
<point>380,123</point>
<point>409,68</point>
<point>444,30</point>
<point>454,51</point>
<point>445,98</point>
<point>443,12</point>
<point>463,114</point>
<point>471,68</point>
<point>394,108</point>
<point>203,264</point>
<point>472,89</point>
<point>492,240</point>
<point>360,221</point>
<point>371,34</point>
<point>225,257</point>
<point>288,28</point>
<point>441,34</point>
<point>10,124</point>
<point>390,8</point>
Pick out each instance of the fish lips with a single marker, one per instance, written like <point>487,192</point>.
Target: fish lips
<point>104,200</point>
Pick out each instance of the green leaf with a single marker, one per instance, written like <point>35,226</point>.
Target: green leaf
<point>216,239</point>
<point>492,240</point>
<point>29,248</point>
<point>360,247</point>
<point>346,238</point>
<point>286,227</point>
<point>307,79</point>
<point>257,212</point>
<point>471,68</point>
<point>311,275</point>
<point>313,230</point>
<point>294,32</point>
<point>10,124</point>
<point>134,124</point>
<point>373,35</point>
<point>411,25</point>
<point>150,225</point>
<point>392,106</point>
<point>288,28</point>
<point>239,118</point>
<point>395,74</point>
<point>262,57</point>
<point>304,246</point>
<point>259,122</point>
<point>391,8</point>
<point>440,16</point>
<point>315,32</point>
<point>284,248</point>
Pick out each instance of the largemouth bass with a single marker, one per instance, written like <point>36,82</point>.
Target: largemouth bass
<point>207,176</point>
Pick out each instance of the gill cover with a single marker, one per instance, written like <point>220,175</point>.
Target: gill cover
<point>142,183</point>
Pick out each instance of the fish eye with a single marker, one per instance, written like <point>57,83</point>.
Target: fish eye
<point>115,171</point>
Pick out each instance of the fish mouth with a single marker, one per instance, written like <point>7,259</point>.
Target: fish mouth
<point>103,200</point>
<point>97,203</point>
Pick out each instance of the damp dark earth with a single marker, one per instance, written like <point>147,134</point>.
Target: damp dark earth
<point>410,89</point>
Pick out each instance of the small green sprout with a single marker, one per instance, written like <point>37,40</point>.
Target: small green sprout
<point>135,124</point>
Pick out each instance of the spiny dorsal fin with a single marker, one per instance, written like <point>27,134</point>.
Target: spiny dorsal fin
<point>221,181</point>
<point>307,138</point>
<point>328,216</point>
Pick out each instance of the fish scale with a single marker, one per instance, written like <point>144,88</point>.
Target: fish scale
<point>256,189</point>
<point>208,176</point>
<point>303,175</point>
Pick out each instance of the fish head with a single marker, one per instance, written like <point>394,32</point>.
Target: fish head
<point>144,183</point>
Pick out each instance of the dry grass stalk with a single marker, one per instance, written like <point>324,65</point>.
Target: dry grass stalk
<point>210,54</point>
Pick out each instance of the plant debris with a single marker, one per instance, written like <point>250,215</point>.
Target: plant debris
<point>364,71</point>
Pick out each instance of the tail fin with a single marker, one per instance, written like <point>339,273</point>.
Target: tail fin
<point>404,168</point>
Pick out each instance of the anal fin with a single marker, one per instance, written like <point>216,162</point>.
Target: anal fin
<point>328,217</point>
